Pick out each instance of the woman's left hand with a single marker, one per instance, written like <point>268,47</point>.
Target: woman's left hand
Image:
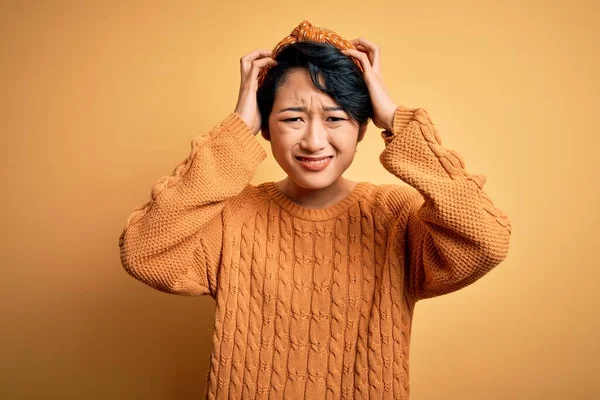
<point>369,56</point>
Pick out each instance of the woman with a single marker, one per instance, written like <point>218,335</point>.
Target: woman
<point>315,277</point>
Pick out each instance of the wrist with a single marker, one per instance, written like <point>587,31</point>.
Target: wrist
<point>389,128</point>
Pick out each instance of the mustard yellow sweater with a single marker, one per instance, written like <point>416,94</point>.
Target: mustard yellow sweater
<point>314,303</point>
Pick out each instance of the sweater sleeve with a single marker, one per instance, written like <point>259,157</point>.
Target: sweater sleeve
<point>453,232</point>
<point>173,242</point>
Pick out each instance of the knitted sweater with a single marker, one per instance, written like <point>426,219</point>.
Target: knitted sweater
<point>314,303</point>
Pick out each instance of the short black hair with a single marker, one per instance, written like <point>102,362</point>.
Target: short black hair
<point>342,79</point>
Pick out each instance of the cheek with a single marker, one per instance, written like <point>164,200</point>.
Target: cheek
<point>283,140</point>
<point>280,147</point>
<point>344,143</point>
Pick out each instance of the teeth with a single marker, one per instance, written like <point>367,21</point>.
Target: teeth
<point>315,162</point>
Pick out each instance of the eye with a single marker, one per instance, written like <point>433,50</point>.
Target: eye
<point>334,119</point>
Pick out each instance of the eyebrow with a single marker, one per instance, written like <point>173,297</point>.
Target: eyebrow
<point>336,108</point>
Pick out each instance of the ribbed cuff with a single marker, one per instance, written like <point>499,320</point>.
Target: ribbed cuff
<point>402,117</point>
<point>236,127</point>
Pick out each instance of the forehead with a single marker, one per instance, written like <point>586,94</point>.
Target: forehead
<point>298,88</point>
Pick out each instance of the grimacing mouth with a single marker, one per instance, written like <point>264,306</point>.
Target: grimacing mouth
<point>301,158</point>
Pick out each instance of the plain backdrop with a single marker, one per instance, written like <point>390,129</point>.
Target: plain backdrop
<point>102,98</point>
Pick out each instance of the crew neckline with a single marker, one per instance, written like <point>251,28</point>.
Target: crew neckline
<point>315,214</point>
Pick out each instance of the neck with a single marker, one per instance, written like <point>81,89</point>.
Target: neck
<point>316,198</point>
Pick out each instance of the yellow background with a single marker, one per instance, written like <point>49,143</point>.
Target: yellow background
<point>101,99</point>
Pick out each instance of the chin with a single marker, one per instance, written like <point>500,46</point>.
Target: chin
<point>314,181</point>
<point>314,184</point>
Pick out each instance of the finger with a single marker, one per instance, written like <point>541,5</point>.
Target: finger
<point>371,48</point>
<point>362,58</point>
<point>365,42</point>
<point>246,64</point>
<point>255,68</point>
<point>369,54</point>
<point>255,54</point>
<point>246,61</point>
<point>361,48</point>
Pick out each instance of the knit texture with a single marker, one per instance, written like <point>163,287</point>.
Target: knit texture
<point>314,303</point>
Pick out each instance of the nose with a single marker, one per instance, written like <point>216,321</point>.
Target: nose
<point>315,137</point>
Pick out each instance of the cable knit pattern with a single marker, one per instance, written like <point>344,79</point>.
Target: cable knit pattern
<point>314,303</point>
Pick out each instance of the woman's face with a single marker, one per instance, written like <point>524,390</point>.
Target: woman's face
<point>306,122</point>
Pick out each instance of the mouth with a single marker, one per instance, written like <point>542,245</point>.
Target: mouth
<point>313,159</point>
<point>314,163</point>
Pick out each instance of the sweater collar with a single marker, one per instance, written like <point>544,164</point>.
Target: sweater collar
<point>315,214</point>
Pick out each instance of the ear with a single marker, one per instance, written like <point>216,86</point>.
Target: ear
<point>361,132</point>
<point>265,134</point>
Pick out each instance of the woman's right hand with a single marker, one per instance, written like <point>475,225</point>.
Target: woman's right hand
<point>247,106</point>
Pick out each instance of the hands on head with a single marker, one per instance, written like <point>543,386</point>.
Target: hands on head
<point>247,106</point>
<point>367,53</point>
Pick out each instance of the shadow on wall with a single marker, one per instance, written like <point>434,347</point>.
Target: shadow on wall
<point>142,343</point>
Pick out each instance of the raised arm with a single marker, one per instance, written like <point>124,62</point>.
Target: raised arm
<point>173,242</point>
<point>454,234</point>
